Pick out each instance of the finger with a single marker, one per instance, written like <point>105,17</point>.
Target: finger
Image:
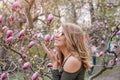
<point>53,54</point>
<point>46,49</point>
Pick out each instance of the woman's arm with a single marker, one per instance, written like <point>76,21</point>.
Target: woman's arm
<point>52,56</point>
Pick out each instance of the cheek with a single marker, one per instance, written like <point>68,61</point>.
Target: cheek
<point>63,41</point>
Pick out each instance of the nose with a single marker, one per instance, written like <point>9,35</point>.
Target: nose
<point>56,36</point>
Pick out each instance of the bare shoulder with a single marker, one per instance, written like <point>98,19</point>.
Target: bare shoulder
<point>72,65</point>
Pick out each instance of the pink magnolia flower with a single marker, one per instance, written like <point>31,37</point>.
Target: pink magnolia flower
<point>103,43</point>
<point>50,18</point>
<point>26,66</point>
<point>24,55</point>
<point>1,19</point>
<point>115,45</point>
<point>117,59</point>
<point>15,6</point>
<point>11,17</point>
<point>9,33</point>
<point>118,33</point>
<point>100,24</point>
<point>101,53</point>
<point>4,28</point>
<point>22,50</point>
<point>47,38</point>
<point>31,44</point>
<point>35,36</point>
<point>20,60</point>
<point>104,37</point>
<point>110,6</point>
<point>106,27</point>
<point>21,33</point>
<point>4,76</point>
<point>9,40</point>
<point>35,76</point>
<point>49,65</point>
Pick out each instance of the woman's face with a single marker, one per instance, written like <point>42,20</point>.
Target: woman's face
<point>60,39</point>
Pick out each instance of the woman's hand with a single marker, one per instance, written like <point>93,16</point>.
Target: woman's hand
<point>52,56</point>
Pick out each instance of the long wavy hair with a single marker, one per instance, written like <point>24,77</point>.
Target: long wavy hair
<point>75,44</point>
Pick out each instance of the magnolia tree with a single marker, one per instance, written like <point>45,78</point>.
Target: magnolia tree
<point>105,33</point>
<point>26,24</point>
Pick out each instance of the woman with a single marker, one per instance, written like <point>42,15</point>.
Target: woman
<point>70,61</point>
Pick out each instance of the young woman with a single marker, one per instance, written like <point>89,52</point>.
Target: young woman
<point>70,61</point>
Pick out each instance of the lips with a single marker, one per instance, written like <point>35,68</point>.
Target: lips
<point>57,40</point>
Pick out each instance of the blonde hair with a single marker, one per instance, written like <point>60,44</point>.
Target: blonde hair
<point>75,44</point>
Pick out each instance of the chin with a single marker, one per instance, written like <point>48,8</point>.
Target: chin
<point>56,45</point>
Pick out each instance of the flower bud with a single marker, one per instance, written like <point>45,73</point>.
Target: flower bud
<point>26,66</point>
<point>4,76</point>
<point>115,45</point>
<point>47,38</point>
<point>31,44</point>
<point>22,50</point>
<point>9,33</point>
<point>15,6</point>
<point>35,36</point>
<point>21,33</point>
<point>49,65</point>
<point>100,24</point>
<point>102,43</point>
<point>35,76</point>
<point>9,40</point>
<point>1,19</point>
<point>118,33</point>
<point>50,18</point>
<point>104,37</point>
<point>110,6</point>
<point>106,27</point>
<point>101,53</point>
<point>11,17</point>
<point>20,60</point>
<point>4,28</point>
<point>24,55</point>
<point>117,59</point>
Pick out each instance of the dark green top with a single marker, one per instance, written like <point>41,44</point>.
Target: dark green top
<point>63,75</point>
